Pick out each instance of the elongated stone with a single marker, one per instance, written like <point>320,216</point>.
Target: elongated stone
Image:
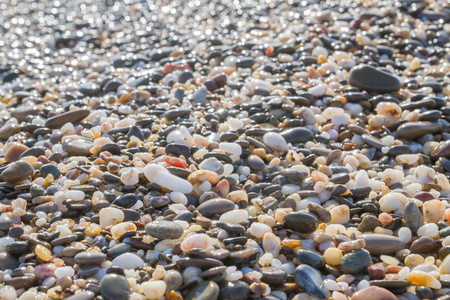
<point>412,217</point>
<point>413,130</point>
<point>73,116</point>
<point>159,175</point>
<point>164,230</point>
<point>381,244</point>
<point>215,206</point>
<point>297,135</point>
<point>310,281</point>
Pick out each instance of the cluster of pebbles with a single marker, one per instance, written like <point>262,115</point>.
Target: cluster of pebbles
<point>225,150</point>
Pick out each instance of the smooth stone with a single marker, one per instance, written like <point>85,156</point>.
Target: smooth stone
<point>89,89</point>
<point>390,284</point>
<point>73,116</point>
<point>17,171</point>
<point>5,222</point>
<point>164,230</point>
<point>177,113</point>
<point>423,245</point>
<point>126,201</point>
<point>356,262</point>
<point>413,130</point>
<point>310,257</point>
<point>236,290</point>
<point>207,290</point>
<point>21,112</point>
<point>202,263</point>
<point>84,295</point>
<point>88,271</point>
<point>443,150</point>
<point>177,150</point>
<point>8,130</point>
<point>127,261</point>
<point>50,169</point>
<point>323,214</point>
<point>244,257</point>
<point>275,141</point>
<point>212,207</point>
<point>273,276</point>
<point>136,132</point>
<point>372,79</point>
<point>382,244</point>
<point>369,223</point>
<point>78,147</point>
<point>424,292</point>
<point>16,231</point>
<point>212,164</point>
<point>112,148</point>
<point>7,261</point>
<point>294,175</point>
<point>297,135</point>
<point>15,152</point>
<point>310,280</point>
<point>90,257</point>
<point>374,293</point>
<point>301,221</point>
<point>445,163</point>
<point>256,163</point>
<point>114,287</point>
<point>22,282</point>
<point>212,271</point>
<point>119,249</point>
<point>413,217</point>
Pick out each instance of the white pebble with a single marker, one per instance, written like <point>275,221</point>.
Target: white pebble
<point>128,261</point>
<point>153,290</point>
<point>159,175</point>
<point>235,216</point>
<point>429,230</point>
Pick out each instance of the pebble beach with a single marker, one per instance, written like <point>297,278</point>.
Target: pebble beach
<point>233,150</point>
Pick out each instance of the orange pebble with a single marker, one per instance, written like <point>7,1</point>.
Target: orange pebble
<point>269,51</point>
<point>176,162</point>
<point>385,218</point>
<point>393,269</point>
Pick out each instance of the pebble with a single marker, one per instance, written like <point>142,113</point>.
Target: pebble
<point>159,175</point>
<point>215,206</point>
<point>204,291</point>
<point>375,293</point>
<point>413,217</point>
<point>90,257</point>
<point>300,221</point>
<point>164,230</point>
<point>73,116</point>
<point>381,244</point>
<point>310,281</point>
<point>154,289</point>
<point>113,286</point>
<point>17,171</point>
<point>372,79</point>
<point>356,262</point>
<point>127,261</point>
<point>275,141</point>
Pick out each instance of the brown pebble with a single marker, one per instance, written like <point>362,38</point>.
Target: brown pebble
<point>13,153</point>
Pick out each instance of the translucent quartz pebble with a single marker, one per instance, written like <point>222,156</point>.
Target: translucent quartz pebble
<point>161,176</point>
